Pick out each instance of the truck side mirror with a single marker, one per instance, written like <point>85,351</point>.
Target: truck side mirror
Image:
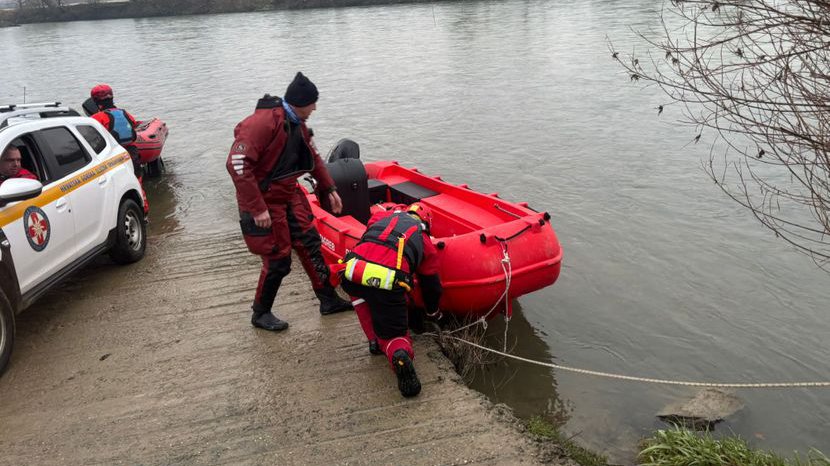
<point>19,189</point>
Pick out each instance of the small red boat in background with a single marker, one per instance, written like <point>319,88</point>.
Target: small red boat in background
<point>150,138</point>
<point>492,250</point>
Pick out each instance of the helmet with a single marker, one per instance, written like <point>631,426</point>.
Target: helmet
<point>101,92</point>
<point>423,212</point>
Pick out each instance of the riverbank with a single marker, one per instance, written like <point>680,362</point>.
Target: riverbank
<point>152,8</point>
<point>156,363</point>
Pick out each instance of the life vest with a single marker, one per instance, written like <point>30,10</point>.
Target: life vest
<point>398,232</point>
<point>296,157</point>
<point>120,126</point>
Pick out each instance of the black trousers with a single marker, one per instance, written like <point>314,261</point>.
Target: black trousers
<point>133,151</point>
<point>388,309</point>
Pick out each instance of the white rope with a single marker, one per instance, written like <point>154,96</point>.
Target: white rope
<point>506,326</point>
<point>507,269</point>
<point>641,379</point>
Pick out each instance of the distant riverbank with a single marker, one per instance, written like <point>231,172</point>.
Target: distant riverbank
<point>150,8</point>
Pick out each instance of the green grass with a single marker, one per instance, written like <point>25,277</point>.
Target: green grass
<point>541,428</point>
<point>680,447</point>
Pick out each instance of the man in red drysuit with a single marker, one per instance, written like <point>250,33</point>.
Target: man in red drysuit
<point>272,148</point>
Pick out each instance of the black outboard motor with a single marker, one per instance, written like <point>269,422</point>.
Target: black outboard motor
<point>351,180</point>
<point>90,107</point>
<point>344,149</point>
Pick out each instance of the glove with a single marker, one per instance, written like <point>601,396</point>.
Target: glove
<point>416,321</point>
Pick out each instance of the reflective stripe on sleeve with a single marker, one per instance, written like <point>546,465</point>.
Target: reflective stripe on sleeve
<point>238,162</point>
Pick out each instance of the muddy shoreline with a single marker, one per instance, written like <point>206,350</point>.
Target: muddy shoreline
<point>156,363</point>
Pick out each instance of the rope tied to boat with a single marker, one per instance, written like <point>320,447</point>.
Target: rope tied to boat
<point>507,269</point>
<point>651,380</point>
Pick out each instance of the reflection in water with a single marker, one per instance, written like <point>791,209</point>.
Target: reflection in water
<point>162,195</point>
<point>531,390</point>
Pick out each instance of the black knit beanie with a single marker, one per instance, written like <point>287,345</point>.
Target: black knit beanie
<point>301,92</point>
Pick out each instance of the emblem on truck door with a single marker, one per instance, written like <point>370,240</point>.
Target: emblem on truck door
<point>36,225</point>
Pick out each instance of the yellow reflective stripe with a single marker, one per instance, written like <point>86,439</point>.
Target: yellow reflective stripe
<point>401,241</point>
<point>371,271</point>
<point>350,264</point>
<point>54,193</point>
<point>379,273</point>
<point>374,275</point>
<point>390,279</point>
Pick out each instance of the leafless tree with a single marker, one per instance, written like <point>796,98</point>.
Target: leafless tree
<point>753,76</point>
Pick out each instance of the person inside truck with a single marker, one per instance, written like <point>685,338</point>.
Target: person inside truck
<point>11,165</point>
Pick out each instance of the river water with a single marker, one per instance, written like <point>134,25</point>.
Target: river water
<point>663,276</point>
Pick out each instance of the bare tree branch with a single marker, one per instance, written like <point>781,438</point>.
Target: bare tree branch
<point>757,74</point>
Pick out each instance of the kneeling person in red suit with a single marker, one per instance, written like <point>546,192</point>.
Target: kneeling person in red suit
<point>378,274</point>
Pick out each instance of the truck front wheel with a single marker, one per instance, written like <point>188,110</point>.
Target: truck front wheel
<point>130,234</point>
<point>6,331</point>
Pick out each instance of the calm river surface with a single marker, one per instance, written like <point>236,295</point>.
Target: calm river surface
<point>663,276</point>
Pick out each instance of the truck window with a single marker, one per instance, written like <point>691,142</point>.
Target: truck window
<point>62,153</point>
<point>93,137</point>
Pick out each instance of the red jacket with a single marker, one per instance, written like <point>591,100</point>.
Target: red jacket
<point>427,270</point>
<point>373,252</point>
<point>259,142</point>
<point>23,173</point>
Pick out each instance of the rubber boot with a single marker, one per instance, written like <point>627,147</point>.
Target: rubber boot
<point>408,382</point>
<point>330,302</point>
<point>267,320</point>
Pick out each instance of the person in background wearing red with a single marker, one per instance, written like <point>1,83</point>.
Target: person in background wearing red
<point>117,121</point>
<point>379,273</point>
<point>122,126</point>
<point>11,165</point>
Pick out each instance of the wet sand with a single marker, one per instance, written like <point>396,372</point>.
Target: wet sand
<point>156,363</point>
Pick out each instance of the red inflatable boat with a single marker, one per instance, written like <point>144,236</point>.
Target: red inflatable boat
<point>150,137</point>
<point>493,250</point>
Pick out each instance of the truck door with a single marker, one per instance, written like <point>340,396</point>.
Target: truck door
<point>94,198</point>
<point>41,230</point>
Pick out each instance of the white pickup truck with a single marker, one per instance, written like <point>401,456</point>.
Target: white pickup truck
<point>85,201</point>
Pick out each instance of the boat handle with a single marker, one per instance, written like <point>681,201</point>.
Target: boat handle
<point>483,237</point>
<point>498,207</point>
<point>338,230</point>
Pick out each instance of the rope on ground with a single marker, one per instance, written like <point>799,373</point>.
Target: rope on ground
<point>639,379</point>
